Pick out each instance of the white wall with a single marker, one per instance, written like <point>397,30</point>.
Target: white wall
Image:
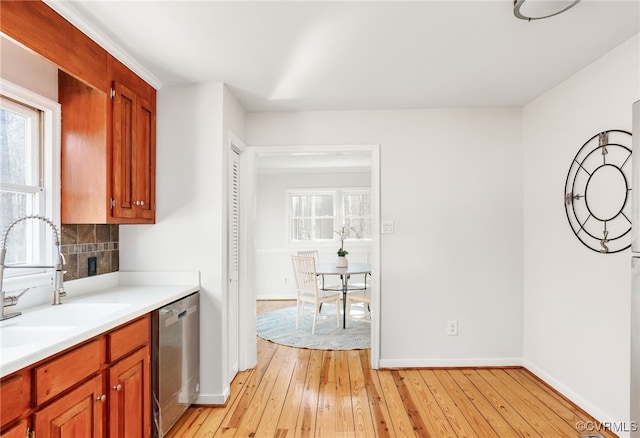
<point>451,180</point>
<point>576,301</point>
<point>274,273</point>
<point>28,70</point>
<point>189,231</point>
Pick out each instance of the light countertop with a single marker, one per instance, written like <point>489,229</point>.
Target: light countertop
<point>44,330</point>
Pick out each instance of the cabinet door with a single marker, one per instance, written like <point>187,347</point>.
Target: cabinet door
<point>77,414</point>
<point>130,396</point>
<point>144,162</point>
<point>124,111</point>
<point>133,155</point>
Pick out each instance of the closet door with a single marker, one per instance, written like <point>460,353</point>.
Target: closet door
<point>234,261</point>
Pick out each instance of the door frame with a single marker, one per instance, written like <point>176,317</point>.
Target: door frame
<point>247,353</point>
<point>247,259</point>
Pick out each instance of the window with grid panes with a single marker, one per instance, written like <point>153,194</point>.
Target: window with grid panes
<point>29,140</point>
<point>315,215</point>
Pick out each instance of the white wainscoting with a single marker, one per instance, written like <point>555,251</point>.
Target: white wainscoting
<point>274,272</point>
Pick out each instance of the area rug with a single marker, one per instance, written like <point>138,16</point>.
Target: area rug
<point>279,326</point>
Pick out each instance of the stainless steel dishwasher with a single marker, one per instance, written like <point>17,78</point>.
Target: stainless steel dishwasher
<point>175,361</point>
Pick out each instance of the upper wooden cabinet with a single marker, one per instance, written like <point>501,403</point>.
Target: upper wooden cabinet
<point>85,154</point>
<point>108,150</point>
<point>108,120</point>
<point>133,128</point>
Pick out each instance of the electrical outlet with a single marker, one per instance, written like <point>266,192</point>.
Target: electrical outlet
<point>387,227</point>
<point>92,266</point>
<point>452,328</point>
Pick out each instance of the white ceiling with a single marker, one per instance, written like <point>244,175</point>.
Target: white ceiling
<point>317,55</point>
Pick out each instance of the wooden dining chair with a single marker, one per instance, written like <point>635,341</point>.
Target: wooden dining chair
<point>361,286</point>
<point>361,296</point>
<point>314,254</point>
<point>304,269</point>
<point>311,253</point>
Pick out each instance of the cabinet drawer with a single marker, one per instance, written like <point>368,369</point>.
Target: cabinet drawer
<point>124,340</point>
<point>64,371</point>
<point>14,397</point>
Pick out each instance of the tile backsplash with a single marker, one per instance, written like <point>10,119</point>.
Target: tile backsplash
<point>81,241</point>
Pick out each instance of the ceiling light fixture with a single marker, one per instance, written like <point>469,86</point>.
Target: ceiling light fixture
<point>537,10</point>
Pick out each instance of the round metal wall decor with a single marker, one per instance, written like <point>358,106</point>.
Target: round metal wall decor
<point>598,192</point>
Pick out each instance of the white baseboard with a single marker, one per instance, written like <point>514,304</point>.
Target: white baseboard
<point>267,297</point>
<point>593,410</point>
<point>213,399</point>
<point>432,363</point>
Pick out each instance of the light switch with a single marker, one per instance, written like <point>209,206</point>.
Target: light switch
<point>387,227</point>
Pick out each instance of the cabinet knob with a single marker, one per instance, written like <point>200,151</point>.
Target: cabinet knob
<point>118,387</point>
<point>101,398</point>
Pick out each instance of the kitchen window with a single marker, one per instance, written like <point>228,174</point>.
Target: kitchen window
<point>29,179</point>
<point>314,215</point>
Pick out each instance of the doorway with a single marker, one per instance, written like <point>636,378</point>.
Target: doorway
<point>309,160</point>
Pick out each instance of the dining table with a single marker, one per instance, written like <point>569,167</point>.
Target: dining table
<point>344,273</point>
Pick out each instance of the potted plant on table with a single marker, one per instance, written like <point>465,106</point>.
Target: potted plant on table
<point>342,253</point>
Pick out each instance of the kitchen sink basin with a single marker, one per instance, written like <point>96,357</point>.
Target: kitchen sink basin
<point>68,314</point>
<point>23,336</point>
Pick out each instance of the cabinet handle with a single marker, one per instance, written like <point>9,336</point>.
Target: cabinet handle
<point>101,398</point>
<point>118,387</point>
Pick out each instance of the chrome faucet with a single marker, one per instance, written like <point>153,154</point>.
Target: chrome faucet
<point>58,282</point>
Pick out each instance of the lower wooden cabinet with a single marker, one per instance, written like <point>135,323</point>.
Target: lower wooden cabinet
<point>14,397</point>
<point>77,414</point>
<point>56,376</point>
<point>130,396</point>
<point>18,431</point>
<point>101,388</point>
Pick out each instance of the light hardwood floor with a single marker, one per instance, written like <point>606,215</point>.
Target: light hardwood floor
<point>311,393</point>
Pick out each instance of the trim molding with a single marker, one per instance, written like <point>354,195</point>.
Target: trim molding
<point>451,363</point>
<point>575,398</point>
<point>278,297</point>
<point>307,170</point>
<point>213,399</point>
<point>75,16</point>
